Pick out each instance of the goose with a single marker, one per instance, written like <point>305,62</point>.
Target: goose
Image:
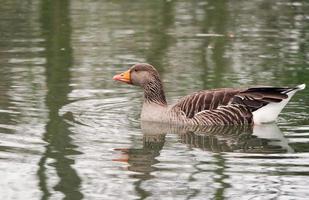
<point>222,106</point>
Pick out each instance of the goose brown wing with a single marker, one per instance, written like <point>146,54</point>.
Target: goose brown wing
<point>257,97</point>
<point>205,100</point>
<point>252,98</point>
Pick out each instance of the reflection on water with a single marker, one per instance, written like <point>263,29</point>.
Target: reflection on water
<point>263,139</point>
<point>217,139</point>
<point>67,131</point>
<point>247,139</point>
<point>57,31</point>
<point>237,139</point>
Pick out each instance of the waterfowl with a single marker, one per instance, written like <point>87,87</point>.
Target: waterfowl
<point>223,106</point>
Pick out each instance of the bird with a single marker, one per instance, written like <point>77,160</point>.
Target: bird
<point>220,106</point>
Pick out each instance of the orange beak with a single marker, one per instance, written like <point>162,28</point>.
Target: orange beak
<point>123,77</point>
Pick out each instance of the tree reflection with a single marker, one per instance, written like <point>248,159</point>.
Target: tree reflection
<point>57,32</point>
<point>161,40</point>
<point>215,21</point>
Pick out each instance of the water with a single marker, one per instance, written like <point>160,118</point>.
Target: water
<point>67,131</point>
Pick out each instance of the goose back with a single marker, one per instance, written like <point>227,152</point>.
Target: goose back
<point>227,106</point>
<point>205,100</point>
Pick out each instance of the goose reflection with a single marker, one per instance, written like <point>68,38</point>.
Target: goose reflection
<point>263,139</point>
<point>247,139</point>
<point>142,160</point>
<point>266,138</point>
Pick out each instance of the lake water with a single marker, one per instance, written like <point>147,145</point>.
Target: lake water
<point>68,131</point>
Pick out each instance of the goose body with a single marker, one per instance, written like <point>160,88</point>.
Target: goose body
<point>223,106</point>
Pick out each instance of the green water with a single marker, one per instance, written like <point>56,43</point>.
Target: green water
<point>67,131</point>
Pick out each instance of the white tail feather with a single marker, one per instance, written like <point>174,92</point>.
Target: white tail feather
<point>270,112</point>
<point>301,87</point>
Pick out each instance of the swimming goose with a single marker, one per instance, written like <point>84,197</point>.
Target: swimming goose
<point>224,106</point>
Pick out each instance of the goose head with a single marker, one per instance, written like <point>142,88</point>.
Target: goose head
<point>141,74</point>
<point>147,77</point>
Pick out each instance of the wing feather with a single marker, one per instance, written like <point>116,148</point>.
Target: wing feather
<point>252,98</point>
<point>205,100</point>
<point>257,97</point>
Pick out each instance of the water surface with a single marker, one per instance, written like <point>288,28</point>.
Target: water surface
<point>67,131</point>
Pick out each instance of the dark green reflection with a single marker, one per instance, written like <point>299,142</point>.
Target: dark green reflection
<point>161,40</point>
<point>215,21</point>
<point>56,28</point>
<point>221,177</point>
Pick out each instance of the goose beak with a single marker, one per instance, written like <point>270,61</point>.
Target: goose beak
<point>123,77</point>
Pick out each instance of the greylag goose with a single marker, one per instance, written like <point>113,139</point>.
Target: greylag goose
<point>224,106</point>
